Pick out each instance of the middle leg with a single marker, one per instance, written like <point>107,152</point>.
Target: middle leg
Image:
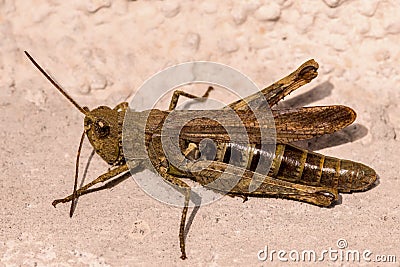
<point>178,93</point>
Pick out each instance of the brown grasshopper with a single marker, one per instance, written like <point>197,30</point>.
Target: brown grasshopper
<point>295,173</point>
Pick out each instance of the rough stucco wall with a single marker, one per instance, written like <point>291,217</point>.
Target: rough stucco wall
<point>102,51</point>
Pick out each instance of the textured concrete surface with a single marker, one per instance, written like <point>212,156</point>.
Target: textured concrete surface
<point>101,51</point>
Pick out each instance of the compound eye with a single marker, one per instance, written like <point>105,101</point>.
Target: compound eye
<point>88,124</point>
<point>102,128</point>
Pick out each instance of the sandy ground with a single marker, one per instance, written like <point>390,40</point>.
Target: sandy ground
<point>101,51</point>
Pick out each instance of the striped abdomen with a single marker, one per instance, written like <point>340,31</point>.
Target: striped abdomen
<point>299,165</point>
<point>296,165</point>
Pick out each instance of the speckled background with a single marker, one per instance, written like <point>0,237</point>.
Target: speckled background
<point>101,51</point>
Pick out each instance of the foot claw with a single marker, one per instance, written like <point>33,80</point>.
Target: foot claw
<point>55,202</point>
<point>58,201</point>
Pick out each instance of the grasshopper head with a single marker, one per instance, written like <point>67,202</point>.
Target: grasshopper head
<point>103,127</point>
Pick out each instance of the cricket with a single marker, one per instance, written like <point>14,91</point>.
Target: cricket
<point>294,173</point>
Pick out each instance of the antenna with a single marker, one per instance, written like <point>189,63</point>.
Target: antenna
<point>84,110</point>
<point>56,85</point>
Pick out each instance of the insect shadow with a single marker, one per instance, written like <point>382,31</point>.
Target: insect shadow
<point>317,93</point>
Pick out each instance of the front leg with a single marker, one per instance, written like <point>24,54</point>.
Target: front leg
<point>102,178</point>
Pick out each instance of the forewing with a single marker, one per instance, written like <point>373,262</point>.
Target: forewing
<point>308,122</point>
<point>289,124</point>
<point>220,125</point>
